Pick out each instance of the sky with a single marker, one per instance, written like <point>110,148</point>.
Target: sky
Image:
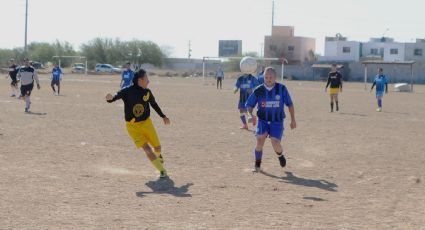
<point>173,23</point>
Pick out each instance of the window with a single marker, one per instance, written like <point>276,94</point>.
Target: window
<point>291,48</point>
<point>417,52</point>
<point>346,49</point>
<point>393,51</point>
<point>374,51</point>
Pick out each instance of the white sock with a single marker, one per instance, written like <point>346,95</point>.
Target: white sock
<point>27,102</point>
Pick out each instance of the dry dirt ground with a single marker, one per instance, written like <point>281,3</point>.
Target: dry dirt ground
<point>71,165</point>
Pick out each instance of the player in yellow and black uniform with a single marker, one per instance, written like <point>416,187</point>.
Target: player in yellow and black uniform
<point>137,101</point>
<point>335,81</point>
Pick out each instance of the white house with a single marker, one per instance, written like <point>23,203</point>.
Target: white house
<point>384,48</point>
<point>339,49</point>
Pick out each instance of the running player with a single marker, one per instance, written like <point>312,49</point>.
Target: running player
<point>271,98</point>
<point>335,80</point>
<point>56,79</point>
<point>27,74</point>
<point>246,84</point>
<point>13,70</point>
<point>380,81</point>
<point>137,99</point>
<point>127,76</point>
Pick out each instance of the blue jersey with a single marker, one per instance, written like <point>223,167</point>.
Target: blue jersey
<point>246,85</point>
<point>127,77</point>
<point>56,74</point>
<point>380,81</point>
<point>261,78</point>
<point>270,102</point>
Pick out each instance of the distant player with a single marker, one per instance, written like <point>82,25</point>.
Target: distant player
<point>246,84</point>
<point>137,101</point>
<point>335,80</point>
<point>380,81</point>
<point>27,75</point>
<point>127,76</point>
<point>56,79</point>
<point>13,71</point>
<point>261,76</point>
<point>271,97</point>
<point>219,75</point>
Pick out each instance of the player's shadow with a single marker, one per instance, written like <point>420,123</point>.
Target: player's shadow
<point>353,114</point>
<point>36,113</point>
<point>290,178</point>
<point>166,186</point>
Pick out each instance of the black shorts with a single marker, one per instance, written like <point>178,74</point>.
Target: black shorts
<point>14,81</point>
<point>26,89</point>
<point>55,82</point>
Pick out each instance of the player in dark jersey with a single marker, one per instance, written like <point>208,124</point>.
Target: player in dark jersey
<point>13,71</point>
<point>271,97</point>
<point>335,81</point>
<point>137,101</point>
<point>246,85</point>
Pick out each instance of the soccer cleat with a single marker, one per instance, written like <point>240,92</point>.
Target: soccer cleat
<point>13,95</point>
<point>27,110</point>
<point>163,174</point>
<point>257,167</point>
<point>282,160</point>
<point>379,110</point>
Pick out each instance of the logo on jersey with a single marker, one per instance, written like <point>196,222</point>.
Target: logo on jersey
<point>146,97</point>
<point>138,110</point>
<point>270,104</point>
<point>277,97</point>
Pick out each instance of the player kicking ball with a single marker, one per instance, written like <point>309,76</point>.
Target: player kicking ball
<point>137,99</point>
<point>271,97</point>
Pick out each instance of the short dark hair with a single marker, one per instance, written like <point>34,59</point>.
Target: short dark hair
<point>141,73</point>
<point>270,69</point>
<point>334,65</point>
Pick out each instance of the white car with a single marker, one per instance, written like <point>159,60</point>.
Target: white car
<point>107,68</point>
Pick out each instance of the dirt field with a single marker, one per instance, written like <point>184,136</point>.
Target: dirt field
<point>71,164</point>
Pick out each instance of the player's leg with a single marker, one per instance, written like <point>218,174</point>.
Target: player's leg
<point>13,87</point>
<point>156,162</point>
<point>221,83</point>
<point>242,112</point>
<point>152,137</point>
<point>379,101</point>
<point>276,134</point>
<point>59,87</point>
<point>336,101</point>
<point>52,84</point>
<point>261,133</point>
<point>332,101</point>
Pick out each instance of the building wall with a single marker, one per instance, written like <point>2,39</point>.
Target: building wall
<point>384,50</point>
<point>410,51</point>
<point>334,51</point>
<point>283,42</point>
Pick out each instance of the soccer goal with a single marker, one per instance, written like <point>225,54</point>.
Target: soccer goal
<point>79,67</point>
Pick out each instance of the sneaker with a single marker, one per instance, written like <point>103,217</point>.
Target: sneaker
<point>282,160</point>
<point>163,174</point>
<point>56,94</point>
<point>337,108</point>
<point>379,110</point>
<point>257,167</point>
<point>12,95</point>
<point>27,110</point>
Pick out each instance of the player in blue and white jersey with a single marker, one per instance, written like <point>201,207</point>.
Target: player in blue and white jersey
<point>381,83</point>
<point>270,99</point>
<point>246,85</point>
<point>127,76</point>
<point>56,79</point>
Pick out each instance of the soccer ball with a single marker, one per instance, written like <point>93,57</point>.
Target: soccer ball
<point>248,65</point>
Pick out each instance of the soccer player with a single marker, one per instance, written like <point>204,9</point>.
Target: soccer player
<point>380,81</point>
<point>219,74</point>
<point>271,97</point>
<point>56,79</point>
<point>27,74</point>
<point>137,99</point>
<point>127,76</point>
<point>13,71</point>
<point>335,80</point>
<point>246,84</point>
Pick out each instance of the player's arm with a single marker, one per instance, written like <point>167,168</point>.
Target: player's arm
<point>373,85</point>
<point>250,104</point>
<point>237,86</point>
<point>36,79</point>
<point>117,96</point>
<point>386,87</point>
<point>288,102</point>
<point>329,82</point>
<point>157,109</point>
<point>292,113</point>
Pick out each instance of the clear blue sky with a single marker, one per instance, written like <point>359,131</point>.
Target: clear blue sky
<point>204,22</point>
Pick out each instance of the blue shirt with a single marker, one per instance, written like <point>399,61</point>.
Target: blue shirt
<point>56,73</point>
<point>380,81</point>
<point>270,102</point>
<point>261,78</point>
<point>219,74</point>
<point>127,77</point>
<point>246,85</point>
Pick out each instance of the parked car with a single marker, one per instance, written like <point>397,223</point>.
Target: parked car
<point>107,68</point>
<point>78,68</point>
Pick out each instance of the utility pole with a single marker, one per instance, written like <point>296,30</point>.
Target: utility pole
<point>189,51</point>
<point>273,13</point>
<point>26,27</point>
